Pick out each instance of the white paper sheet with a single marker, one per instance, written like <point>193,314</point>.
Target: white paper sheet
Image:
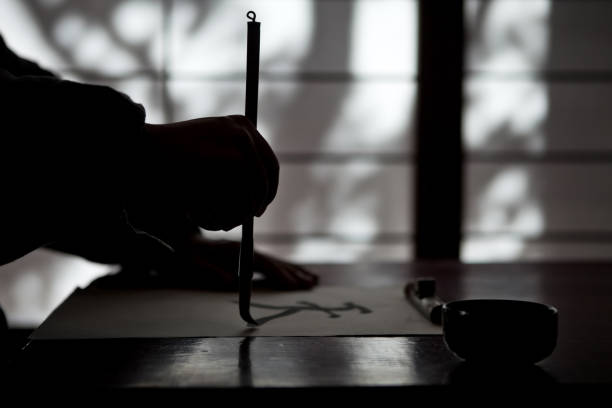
<point>324,311</point>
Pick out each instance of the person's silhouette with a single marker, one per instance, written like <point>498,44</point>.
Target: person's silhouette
<point>83,173</point>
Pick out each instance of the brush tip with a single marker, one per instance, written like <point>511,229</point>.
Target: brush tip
<point>249,319</point>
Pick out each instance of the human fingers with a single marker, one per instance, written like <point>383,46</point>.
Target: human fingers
<point>265,164</point>
<point>284,275</point>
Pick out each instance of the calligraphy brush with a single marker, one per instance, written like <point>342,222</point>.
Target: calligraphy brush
<point>245,266</point>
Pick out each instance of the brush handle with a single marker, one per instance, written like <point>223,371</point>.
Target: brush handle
<point>245,266</point>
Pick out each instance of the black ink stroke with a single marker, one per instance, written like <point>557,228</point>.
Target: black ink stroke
<point>301,306</point>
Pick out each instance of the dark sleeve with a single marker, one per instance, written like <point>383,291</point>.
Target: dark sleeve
<point>68,153</point>
<point>18,66</point>
<point>107,242</point>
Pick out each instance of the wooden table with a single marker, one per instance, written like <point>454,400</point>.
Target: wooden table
<point>419,364</point>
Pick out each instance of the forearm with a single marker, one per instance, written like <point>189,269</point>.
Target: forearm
<point>68,153</point>
<point>113,241</point>
<point>20,66</point>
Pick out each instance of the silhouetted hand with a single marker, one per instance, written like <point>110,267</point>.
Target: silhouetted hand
<point>220,170</point>
<point>214,264</point>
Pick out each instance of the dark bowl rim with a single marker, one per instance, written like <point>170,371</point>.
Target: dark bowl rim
<point>452,306</point>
